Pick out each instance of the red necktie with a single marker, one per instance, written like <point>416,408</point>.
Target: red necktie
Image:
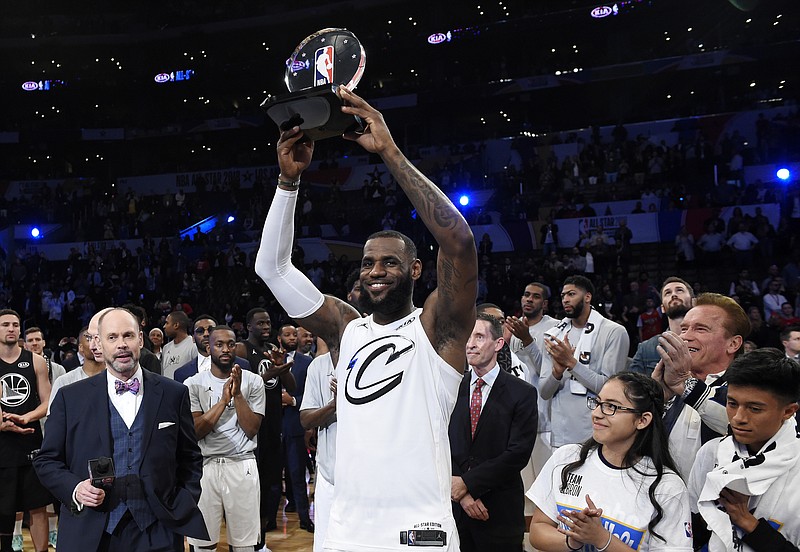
<point>475,405</point>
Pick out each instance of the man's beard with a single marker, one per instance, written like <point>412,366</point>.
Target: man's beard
<point>577,310</point>
<point>288,347</point>
<point>394,300</point>
<point>677,311</point>
<point>533,313</point>
<point>224,366</point>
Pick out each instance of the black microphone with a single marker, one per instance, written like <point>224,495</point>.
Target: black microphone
<point>101,472</point>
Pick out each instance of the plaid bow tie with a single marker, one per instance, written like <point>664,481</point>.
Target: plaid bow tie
<point>132,386</point>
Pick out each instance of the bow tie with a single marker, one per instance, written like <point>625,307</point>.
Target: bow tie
<point>132,386</point>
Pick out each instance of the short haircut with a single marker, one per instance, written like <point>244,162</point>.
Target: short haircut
<point>674,279</point>
<point>544,288</point>
<point>12,312</point>
<point>221,328</point>
<point>180,318</point>
<point>767,369</point>
<point>483,307</point>
<point>33,329</point>
<point>495,326</point>
<point>736,320</point>
<point>83,331</point>
<point>280,330</point>
<point>786,333</point>
<point>581,282</point>
<point>203,317</point>
<point>409,245</point>
<point>252,312</point>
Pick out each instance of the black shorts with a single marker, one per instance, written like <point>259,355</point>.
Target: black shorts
<point>21,491</point>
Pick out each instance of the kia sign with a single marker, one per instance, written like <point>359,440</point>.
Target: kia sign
<point>29,86</point>
<point>438,38</point>
<point>602,11</point>
<point>161,77</point>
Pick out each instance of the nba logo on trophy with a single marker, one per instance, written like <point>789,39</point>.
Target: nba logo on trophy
<point>323,66</point>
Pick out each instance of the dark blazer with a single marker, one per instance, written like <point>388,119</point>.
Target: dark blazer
<point>190,368</point>
<point>78,430</point>
<point>490,464</point>
<point>291,414</point>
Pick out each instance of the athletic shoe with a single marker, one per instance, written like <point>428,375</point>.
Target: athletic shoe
<point>52,537</point>
<point>16,543</point>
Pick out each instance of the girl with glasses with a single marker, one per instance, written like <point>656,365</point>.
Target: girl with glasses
<point>620,489</point>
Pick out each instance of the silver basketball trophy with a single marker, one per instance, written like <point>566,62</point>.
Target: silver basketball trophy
<point>322,62</point>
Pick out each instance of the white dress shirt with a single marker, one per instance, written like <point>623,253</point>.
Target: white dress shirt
<point>488,383</point>
<point>203,363</point>
<point>127,404</point>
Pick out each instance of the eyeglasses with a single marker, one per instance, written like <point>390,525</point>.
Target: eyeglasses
<point>607,408</point>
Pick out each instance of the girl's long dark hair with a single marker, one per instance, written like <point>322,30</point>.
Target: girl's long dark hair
<point>646,396</point>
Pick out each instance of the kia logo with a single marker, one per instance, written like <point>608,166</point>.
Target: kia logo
<point>30,85</point>
<point>161,77</point>
<point>601,11</point>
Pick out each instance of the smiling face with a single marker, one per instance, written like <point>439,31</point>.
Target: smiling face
<point>157,337</point>
<point>711,346</point>
<point>121,342</point>
<point>387,277</point>
<point>617,431</point>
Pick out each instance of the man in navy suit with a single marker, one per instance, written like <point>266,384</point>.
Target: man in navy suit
<point>492,432</point>
<point>200,331</point>
<point>142,421</point>
<point>295,450</point>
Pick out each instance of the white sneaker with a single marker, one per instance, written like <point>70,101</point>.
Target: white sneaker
<point>263,549</point>
<point>16,543</point>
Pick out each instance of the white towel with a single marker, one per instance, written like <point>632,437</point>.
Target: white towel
<point>752,475</point>
<point>583,348</point>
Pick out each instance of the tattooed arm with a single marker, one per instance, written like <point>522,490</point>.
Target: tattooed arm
<point>449,313</point>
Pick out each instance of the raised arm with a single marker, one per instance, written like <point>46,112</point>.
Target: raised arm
<point>449,314</point>
<point>325,316</point>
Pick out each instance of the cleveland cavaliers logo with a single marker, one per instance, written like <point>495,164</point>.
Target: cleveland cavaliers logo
<point>367,378</point>
<point>15,389</point>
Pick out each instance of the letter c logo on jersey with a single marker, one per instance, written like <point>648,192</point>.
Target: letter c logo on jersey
<point>367,378</point>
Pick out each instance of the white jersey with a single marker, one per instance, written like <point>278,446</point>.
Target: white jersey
<point>623,496</point>
<point>394,398</point>
<point>317,394</point>
<point>227,439</point>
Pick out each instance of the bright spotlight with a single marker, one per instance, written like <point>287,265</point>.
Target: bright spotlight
<point>231,218</point>
<point>463,200</point>
<point>783,174</point>
<point>35,233</point>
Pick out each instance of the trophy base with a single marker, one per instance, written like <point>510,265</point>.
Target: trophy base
<point>317,111</point>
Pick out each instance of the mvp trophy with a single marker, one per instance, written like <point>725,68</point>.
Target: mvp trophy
<point>323,61</point>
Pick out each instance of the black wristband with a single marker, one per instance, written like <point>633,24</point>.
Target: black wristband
<point>289,184</point>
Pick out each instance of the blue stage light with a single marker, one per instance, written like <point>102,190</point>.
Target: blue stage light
<point>464,200</point>
<point>783,174</point>
<point>231,218</point>
<point>36,233</point>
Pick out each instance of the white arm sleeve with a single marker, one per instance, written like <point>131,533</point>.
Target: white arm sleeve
<point>293,290</point>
